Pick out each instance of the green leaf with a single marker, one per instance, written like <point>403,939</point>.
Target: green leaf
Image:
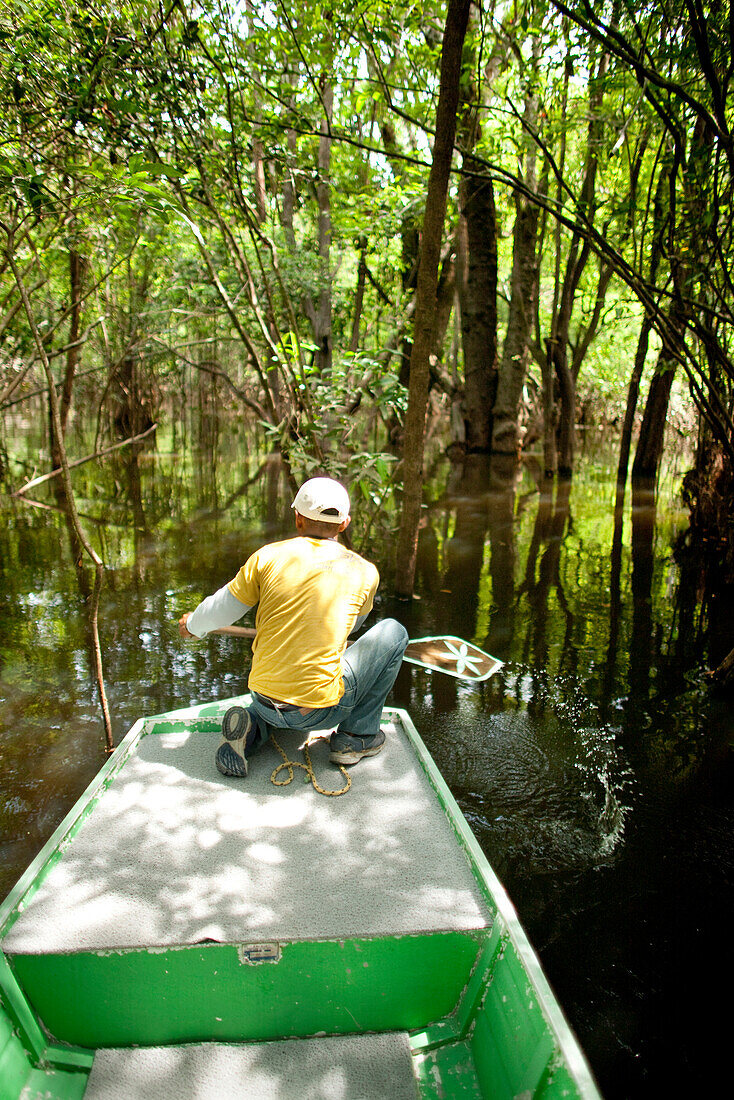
<point>158,168</point>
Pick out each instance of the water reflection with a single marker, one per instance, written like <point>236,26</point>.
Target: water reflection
<point>583,762</point>
<point>537,769</point>
<point>643,562</point>
<point>578,765</point>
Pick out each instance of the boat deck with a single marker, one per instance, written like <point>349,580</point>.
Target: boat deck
<point>185,934</point>
<point>176,854</point>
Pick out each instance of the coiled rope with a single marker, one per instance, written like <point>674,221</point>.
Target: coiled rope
<point>308,768</point>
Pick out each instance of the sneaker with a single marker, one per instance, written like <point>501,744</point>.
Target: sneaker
<point>348,748</point>
<point>230,758</point>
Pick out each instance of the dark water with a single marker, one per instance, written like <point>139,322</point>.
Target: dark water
<point>595,769</point>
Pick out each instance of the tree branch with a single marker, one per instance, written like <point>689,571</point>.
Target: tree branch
<point>81,462</point>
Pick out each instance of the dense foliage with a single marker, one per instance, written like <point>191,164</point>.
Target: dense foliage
<point>224,203</point>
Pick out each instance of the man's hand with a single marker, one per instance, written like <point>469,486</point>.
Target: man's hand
<point>182,628</point>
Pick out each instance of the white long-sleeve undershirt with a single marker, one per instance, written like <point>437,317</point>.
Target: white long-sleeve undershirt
<point>217,610</point>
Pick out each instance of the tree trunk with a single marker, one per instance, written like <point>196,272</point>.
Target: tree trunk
<point>633,394</point>
<point>359,295</point>
<point>523,290</point>
<point>288,192</point>
<point>410,251</point>
<point>76,275</point>
<point>258,175</point>
<point>515,352</point>
<point>567,419</point>
<point>435,213</point>
<point>133,414</point>
<point>409,230</point>
<point>652,430</point>
<point>287,216</point>
<point>256,152</point>
<point>724,673</point>
<point>322,332</point>
<point>478,301</point>
<point>550,449</point>
<point>578,256</point>
<point>445,296</point>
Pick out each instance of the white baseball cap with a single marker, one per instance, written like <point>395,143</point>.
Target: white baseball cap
<point>322,499</point>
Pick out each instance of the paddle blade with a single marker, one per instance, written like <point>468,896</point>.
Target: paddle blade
<point>453,656</point>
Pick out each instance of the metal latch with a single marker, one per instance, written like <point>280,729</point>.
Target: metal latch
<point>252,953</point>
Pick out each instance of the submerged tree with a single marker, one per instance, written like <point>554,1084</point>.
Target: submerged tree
<point>448,99</point>
<point>679,56</point>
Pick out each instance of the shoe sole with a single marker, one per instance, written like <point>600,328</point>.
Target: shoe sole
<point>236,724</point>
<point>229,761</point>
<point>354,756</point>
<point>230,757</point>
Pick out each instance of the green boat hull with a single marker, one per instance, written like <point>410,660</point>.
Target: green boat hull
<point>410,942</point>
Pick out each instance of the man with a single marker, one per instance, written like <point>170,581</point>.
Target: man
<point>311,593</point>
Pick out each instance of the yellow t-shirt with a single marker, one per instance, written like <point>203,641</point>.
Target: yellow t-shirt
<point>309,593</point>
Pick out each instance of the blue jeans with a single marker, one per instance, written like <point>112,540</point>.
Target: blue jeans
<point>369,669</point>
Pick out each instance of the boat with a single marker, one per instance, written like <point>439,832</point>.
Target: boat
<point>182,933</point>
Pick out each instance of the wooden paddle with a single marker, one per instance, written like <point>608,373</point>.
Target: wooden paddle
<point>444,653</point>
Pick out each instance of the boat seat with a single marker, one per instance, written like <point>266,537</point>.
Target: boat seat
<point>363,1067</point>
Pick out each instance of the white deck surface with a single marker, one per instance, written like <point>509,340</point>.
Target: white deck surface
<point>174,854</point>
<point>366,1067</point>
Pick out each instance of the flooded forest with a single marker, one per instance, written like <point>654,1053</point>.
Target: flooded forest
<point>472,260</point>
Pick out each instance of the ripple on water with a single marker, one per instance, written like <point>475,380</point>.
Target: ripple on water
<point>540,791</point>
